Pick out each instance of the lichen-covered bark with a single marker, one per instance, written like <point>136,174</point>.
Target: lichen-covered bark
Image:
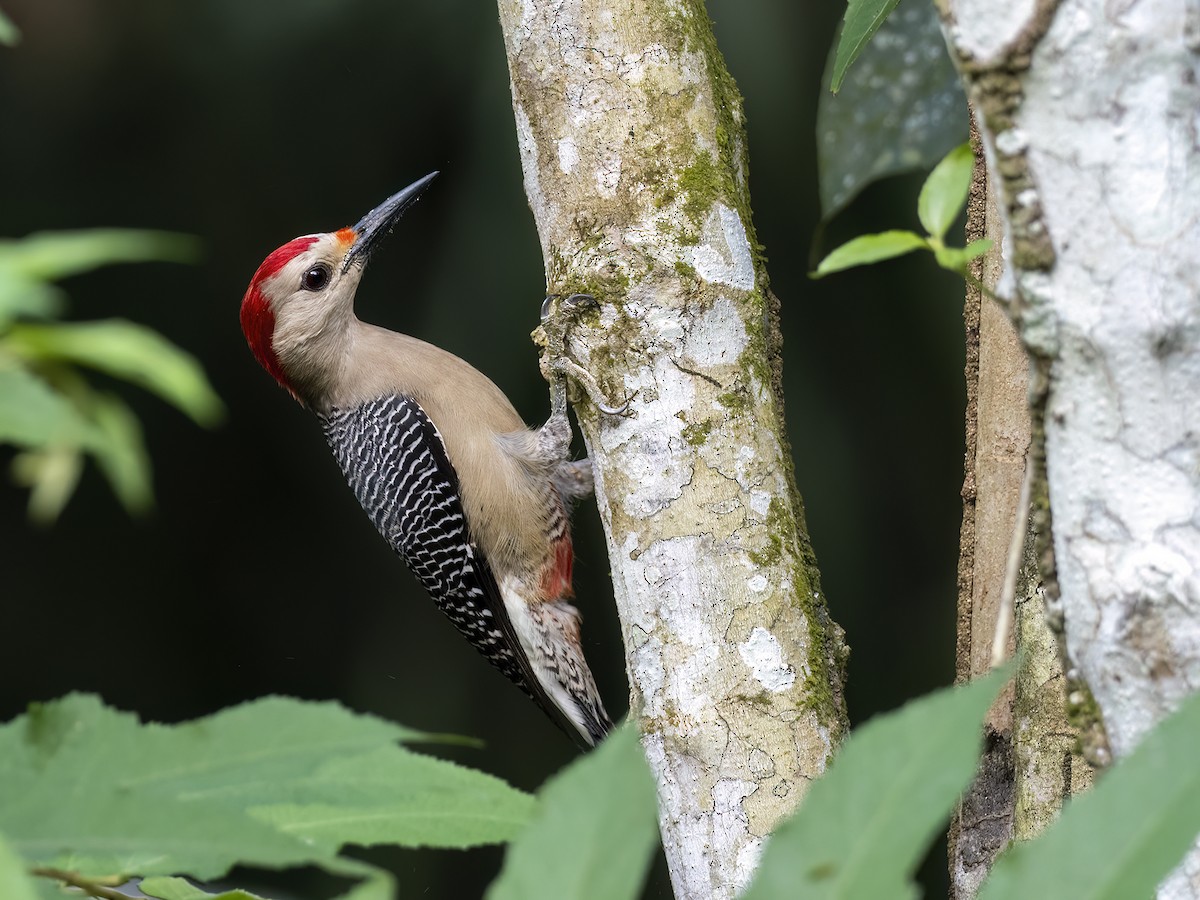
<point>633,149</point>
<point>1088,113</point>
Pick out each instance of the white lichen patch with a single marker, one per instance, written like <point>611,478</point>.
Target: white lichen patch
<point>650,448</point>
<point>723,254</point>
<point>748,856</point>
<point>730,825</point>
<point>762,653</point>
<point>568,155</point>
<point>760,502</point>
<point>665,323</point>
<point>718,336</point>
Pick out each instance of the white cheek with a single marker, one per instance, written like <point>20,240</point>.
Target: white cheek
<point>299,320</point>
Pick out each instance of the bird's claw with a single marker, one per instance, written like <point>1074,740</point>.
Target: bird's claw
<point>569,369</point>
<point>555,320</point>
<point>573,302</point>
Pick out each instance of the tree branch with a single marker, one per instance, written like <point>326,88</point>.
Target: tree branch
<point>1101,203</point>
<point>633,150</point>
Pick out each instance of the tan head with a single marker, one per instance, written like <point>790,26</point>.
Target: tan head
<point>300,304</point>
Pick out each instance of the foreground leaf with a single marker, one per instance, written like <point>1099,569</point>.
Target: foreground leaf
<point>128,351</point>
<point>863,18</point>
<point>1123,837</point>
<point>182,889</point>
<point>92,790</point>
<point>51,474</point>
<point>944,193</point>
<point>593,833</point>
<point>870,248</point>
<point>15,883</point>
<point>22,298</point>
<point>10,35</point>
<point>122,454</point>
<point>865,826</point>
<point>52,255</point>
<point>32,414</point>
<point>385,797</point>
<point>901,108</point>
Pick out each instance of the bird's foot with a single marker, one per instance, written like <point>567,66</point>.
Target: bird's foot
<point>558,314</point>
<point>574,479</point>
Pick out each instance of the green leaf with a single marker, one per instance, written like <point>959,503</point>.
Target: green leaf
<point>92,790</point>
<point>128,351</point>
<point>182,889</point>
<point>15,882</point>
<point>945,191</point>
<point>51,474</point>
<point>1124,836</point>
<point>956,258</point>
<point>863,18</point>
<point>594,831</point>
<point>50,256</point>
<point>122,455</point>
<point>22,298</point>
<point>10,35</point>
<point>32,414</point>
<point>375,883</point>
<point>864,827</point>
<point>901,108</point>
<point>385,797</point>
<point>870,248</point>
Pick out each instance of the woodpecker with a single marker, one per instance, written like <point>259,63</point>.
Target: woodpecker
<point>472,500</point>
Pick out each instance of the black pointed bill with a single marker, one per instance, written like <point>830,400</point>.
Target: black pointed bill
<point>379,221</point>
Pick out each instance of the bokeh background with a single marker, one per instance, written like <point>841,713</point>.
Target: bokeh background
<point>249,123</point>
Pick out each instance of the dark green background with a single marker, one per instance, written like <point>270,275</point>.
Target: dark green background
<point>250,123</point>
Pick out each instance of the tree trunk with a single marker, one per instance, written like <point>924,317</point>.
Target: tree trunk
<point>1030,762</point>
<point>634,155</point>
<point>1088,114</point>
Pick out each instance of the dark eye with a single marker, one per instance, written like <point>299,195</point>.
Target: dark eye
<point>315,278</point>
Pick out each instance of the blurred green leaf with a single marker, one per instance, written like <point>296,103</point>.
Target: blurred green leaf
<point>15,883</point>
<point>863,18</point>
<point>901,108</point>
<point>1122,837</point>
<point>945,191</point>
<point>870,248</point>
<point>22,298</point>
<point>866,824</point>
<point>51,474</point>
<point>122,455</point>
<point>165,888</point>
<point>593,833</point>
<point>374,884</point>
<point>52,255</point>
<point>32,414</point>
<point>377,884</point>
<point>128,351</point>
<point>268,783</point>
<point>10,35</point>
<point>956,258</point>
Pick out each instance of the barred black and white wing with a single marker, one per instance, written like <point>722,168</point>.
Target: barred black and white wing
<point>396,463</point>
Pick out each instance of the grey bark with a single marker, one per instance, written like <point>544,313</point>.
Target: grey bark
<point>633,152</point>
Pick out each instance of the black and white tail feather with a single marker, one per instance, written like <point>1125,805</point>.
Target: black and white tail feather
<point>396,463</point>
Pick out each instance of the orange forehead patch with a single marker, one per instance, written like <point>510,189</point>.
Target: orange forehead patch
<point>346,235</point>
